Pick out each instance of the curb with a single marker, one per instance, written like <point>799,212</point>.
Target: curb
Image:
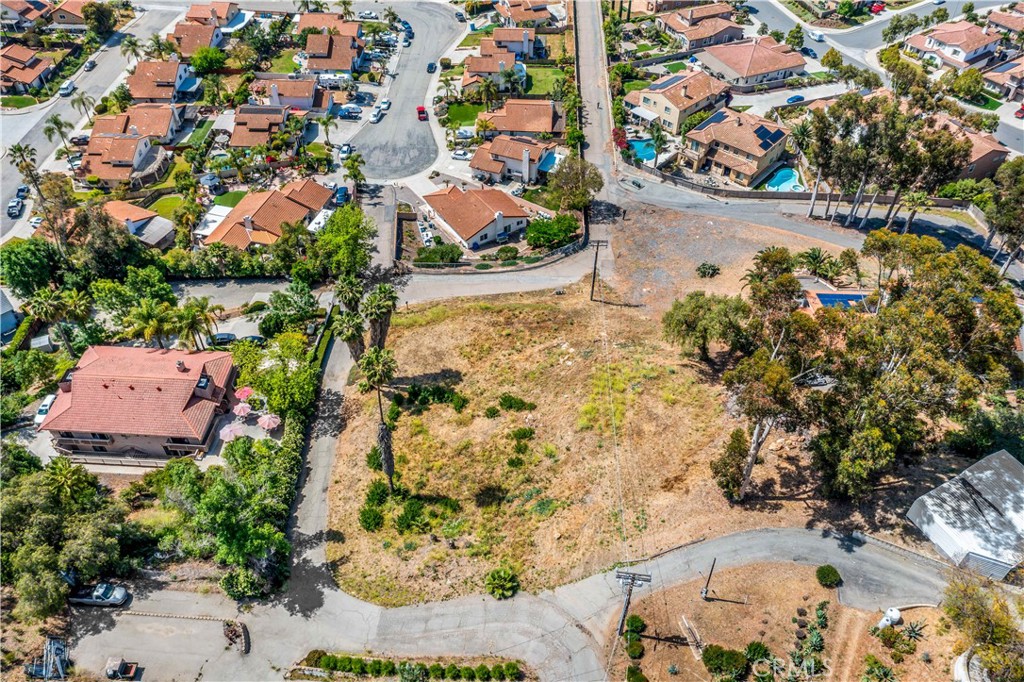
<point>150,614</point>
<point>892,547</point>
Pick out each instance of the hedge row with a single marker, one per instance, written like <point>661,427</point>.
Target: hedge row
<point>372,667</point>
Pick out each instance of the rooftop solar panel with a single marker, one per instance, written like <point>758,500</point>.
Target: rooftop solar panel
<point>667,84</point>
<point>776,136</point>
<point>716,117</point>
<point>762,132</point>
<point>765,145</point>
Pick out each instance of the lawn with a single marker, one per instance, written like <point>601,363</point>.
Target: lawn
<point>456,70</point>
<point>230,199</point>
<point>165,206</point>
<point>675,67</point>
<point>984,101</point>
<point>631,86</point>
<point>645,47</point>
<point>56,55</point>
<point>317,150</point>
<point>17,101</point>
<point>474,38</point>
<point>168,180</point>
<point>742,107</point>
<point>557,42</point>
<point>819,75</point>
<point>283,62</point>
<point>201,131</point>
<point>465,114</point>
<point>540,80</point>
<point>540,195</point>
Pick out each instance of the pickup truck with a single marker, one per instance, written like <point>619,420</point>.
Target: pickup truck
<point>103,594</point>
<point>120,669</point>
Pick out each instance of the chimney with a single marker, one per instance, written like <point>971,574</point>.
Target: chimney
<point>498,217</point>
<point>527,47</point>
<point>65,381</point>
<point>133,130</point>
<point>526,165</point>
<point>274,98</point>
<point>180,366</point>
<point>248,222</point>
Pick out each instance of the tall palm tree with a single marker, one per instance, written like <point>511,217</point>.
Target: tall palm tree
<point>658,140</point>
<point>157,47</point>
<point>483,126</point>
<point>447,85</point>
<point>50,306</point>
<point>68,482</point>
<point>488,91</point>
<point>131,48</point>
<point>56,126</point>
<point>390,15</point>
<point>327,123</point>
<point>354,171</point>
<point>349,291</point>
<point>509,79</point>
<point>83,103</point>
<point>349,328</point>
<point>801,134</point>
<point>24,157</point>
<point>345,9</point>
<point>452,128</point>
<point>196,320</point>
<point>379,368</point>
<point>379,306</point>
<point>150,320</point>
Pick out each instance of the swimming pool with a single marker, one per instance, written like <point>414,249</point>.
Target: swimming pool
<point>784,180</point>
<point>840,300</point>
<point>644,149</point>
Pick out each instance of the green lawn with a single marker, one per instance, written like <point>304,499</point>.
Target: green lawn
<point>540,195</point>
<point>675,67</point>
<point>474,38</point>
<point>165,206</point>
<point>456,70</point>
<point>645,47</point>
<point>631,86</point>
<point>56,55</point>
<point>168,180</point>
<point>317,150</point>
<point>819,75</point>
<point>989,103</point>
<point>201,131</point>
<point>465,114</point>
<point>283,62</point>
<point>541,79</point>
<point>17,101</point>
<point>742,107</point>
<point>230,199</point>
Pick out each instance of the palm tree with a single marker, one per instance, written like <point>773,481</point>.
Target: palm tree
<point>801,134</point>
<point>380,304</point>
<point>658,140</point>
<point>349,291</point>
<point>55,125</point>
<point>327,123</point>
<point>345,9</point>
<point>390,15</point>
<point>447,85</point>
<point>131,47</point>
<point>379,368</point>
<point>354,171</point>
<point>483,126</point>
<point>157,47</point>
<point>196,320</point>
<point>488,91</point>
<point>24,157</point>
<point>509,79</point>
<point>83,103</point>
<point>150,320</point>
<point>349,328</point>
<point>452,127</point>
<point>814,259</point>
<point>50,306</point>
<point>68,482</point>
<point>215,82</point>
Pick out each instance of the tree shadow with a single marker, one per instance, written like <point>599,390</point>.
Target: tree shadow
<point>490,496</point>
<point>445,376</point>
<point>604,212</point>
<point>330,414</point>
<point>303,593</point>
<point>381,274</point>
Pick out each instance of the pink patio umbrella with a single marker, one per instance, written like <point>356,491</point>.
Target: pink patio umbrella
<point>231,432</point>
<point>269,422</point>
<point>242,409</point>
<point>244,392</point>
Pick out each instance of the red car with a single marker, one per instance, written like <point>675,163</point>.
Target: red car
<point>877,8</point>
<point>1019,113</point>
<point>421,113</point>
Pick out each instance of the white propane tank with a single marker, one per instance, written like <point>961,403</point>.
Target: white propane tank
<point>893,614</point>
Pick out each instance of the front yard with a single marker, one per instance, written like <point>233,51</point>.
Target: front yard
<point>17,101</point>
<point>474,38</point>
<point>465,113</point>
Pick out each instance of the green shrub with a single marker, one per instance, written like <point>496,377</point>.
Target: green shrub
<point>388,668</point>
<point>452,671</point>
<point>467,673</point>
<point>377,493</point>
<point>726,662</point>
<point>242,583</point>
<point>371,519</point>
<point>515,462</point>
<point>757,651</point>
<point>373,459</point>
<point>512,670</point>
<point>635,650</point>
<point>507,401</point>
<point>521,447</point>
<point>492,412</point>
<point>483,266</point>
<point>502,583</point>
<point>483,672</point>
<point>522,433</point>
<point>828,576</point>
<point>254,307</point>
<point>411,518</point>
<point>314,657</point>
<point>498,671</point>
<point>508,263</point>
<point>634,674</point>
<point>436,671</point>
<point>507,253</point>
<point>373,668</point>
<point>358,667</point>
<point>708,270</point>
<point>635,624</point>
<point>459,402</point>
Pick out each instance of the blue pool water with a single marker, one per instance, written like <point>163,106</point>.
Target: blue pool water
<point>644,149</point>
<point>784,180</point>
<point>840,300</point>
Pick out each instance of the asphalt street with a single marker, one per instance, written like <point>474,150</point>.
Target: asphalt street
<point>26,126</point>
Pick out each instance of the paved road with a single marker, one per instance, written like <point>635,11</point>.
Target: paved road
<point>27,127</point>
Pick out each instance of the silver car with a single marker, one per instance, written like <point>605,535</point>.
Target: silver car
<point>103,594</point>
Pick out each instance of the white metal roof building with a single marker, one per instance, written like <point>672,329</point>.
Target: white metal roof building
<point>976,519</point>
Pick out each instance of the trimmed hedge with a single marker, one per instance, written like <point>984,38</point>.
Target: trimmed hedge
<point>373,667</point>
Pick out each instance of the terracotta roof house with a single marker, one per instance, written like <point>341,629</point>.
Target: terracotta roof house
<point>333,22</point>
<point>1007,78</point>
<point>712,31</point>
<point>22,68</point>
<point>527,117</point>
<point>735,145</point>
<point>491,67</point>
<point>674,97</point>
<point>256,125</point>
<point>1011,22</point>
<point>308,193</point>
<point>299,91</point>
<point>526,12</point>
<point>476,217</point>
<point>521,157</point>
<point>69,15</point>
<point>151,229</point>
<point>257,219</point>
<point>16,15</point>
<point>160,122</point>
<point>214,14</point>
<point>519,41</point>
<point>680,20</point>
<point>326,53</point>
<point>959,44</point>
<point>122,158</point>
<point>135,404</point>
<point>987,153</point>
<point>752,61</point>
<point>161,82</point>
<point>189,37</point>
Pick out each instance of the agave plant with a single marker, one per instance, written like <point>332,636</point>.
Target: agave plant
<point>914,630</point>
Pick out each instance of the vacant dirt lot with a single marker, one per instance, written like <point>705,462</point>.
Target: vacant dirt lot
<point>759,603</point>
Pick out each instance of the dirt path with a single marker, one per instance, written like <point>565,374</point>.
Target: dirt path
<point>851,628</point>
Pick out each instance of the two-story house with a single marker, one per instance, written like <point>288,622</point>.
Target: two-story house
<point>1010,22</point>
<point>258,219</point>
<point>256,124</point>
<point>495,64</point>
<point>530,13</point>
<point>735,145</point>
<point>477,217</point>
<point>523,158</point>
<point>328,53</point>
<point>1007,78</point>
<point>189,37</point>
<point>752,61</point>
<point>69,15</point>
<point>958,44</point>
<point>298,91</point>
<point>527,118</point>
<point>18,15</point>
<point>987,153</point>
<point>218,14</point>
<point>162,82</point>
<point>159,122</point>
<point>21,68</point>
<point>674,97</point>
<point>112,159</point>
<point>522,42</point>
<point>131,404</point>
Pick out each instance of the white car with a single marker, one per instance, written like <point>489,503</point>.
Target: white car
<point>44,409</point>
<point>462,155</point>
<point>66,89</point>
<point>518,191</point>
<point>369,15</point>
<point>406,42</point>
<point>385,104</point>
<point>376,115</point>
<point>344,151</point>
<point>36,221</point>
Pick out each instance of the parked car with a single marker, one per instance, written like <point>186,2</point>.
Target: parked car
<point>89,65</point>
<point>518,191</point>
<point>80,140</point>
<point>103,594</point>
<point>66,89</point>
<point>44,409</point>
<point>22,191</point>
<point>406,42</point>
<point>376,115</point>
<point>421,113</point>
<point>344,151</point>
<point>877,8</point>
<point>794,99</point>
<point>222,339</point>
<point>462,155</point>
<point>1019,113</point>
<point>431,67</point>
<point>368,15</point>
<point>120,669</point>
<point>385,104</point>
<point>938,2</point>
<point>809,52</point>
<point>341,196</point>
<point>464,134</point>
<point>817,36</point>
<point>35,221</point>
<point>255,339</point>
<point>14,207</point>
<point>460,17</point>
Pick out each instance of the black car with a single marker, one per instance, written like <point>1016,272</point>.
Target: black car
<point>89,65</point>
<point>255,339</point>
<point>221,339</point>
<point>80,140</point>
<point>431,67</point>
<point>459,16</point>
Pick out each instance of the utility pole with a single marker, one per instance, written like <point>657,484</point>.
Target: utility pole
<point>704,590</point>
<point>597,244</point>
<point>629,581</point>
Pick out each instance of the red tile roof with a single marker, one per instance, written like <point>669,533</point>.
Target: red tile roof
<point>110,157</point>
<point>153,80</point>
<point>141,392</point>
<point>330,53</point>
<point>123,212</point>
<point>965,35</point>
<point>468,212</point>
<point>30,10</point>
<point>190,37</point>
<point>527,116</point>
<point>73,7</point>
<point>150,120</point>
<point>256,124</point>
<point>308,192</point>
<point>20,64</point>
<point>756,56</point>
<point>267,212</point>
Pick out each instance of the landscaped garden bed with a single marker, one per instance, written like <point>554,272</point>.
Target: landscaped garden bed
<point>389,667</point>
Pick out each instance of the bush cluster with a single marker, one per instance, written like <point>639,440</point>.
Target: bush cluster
<point>371,667</point>
<point>828,576</point>
<point>419,397</point>
<point>726,662</point>
<point>502,583</point>
<point>507,401</point>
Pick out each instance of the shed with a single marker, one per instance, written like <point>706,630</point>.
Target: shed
<point>976,519</point>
